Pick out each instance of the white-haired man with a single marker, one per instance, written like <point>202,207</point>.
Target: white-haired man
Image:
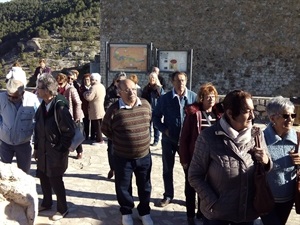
<point>17,110</point>
<point>95,95</point>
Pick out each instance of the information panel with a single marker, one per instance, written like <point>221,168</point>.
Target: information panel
<point>170,61</point>
<point>128,57</point>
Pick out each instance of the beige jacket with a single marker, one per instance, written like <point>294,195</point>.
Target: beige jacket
<point>95,95</point>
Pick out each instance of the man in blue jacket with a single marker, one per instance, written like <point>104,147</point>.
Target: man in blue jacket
<point>17,110</point>
<point>168,117</point>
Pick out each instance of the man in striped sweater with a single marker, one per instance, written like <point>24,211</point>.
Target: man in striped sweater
<point>127,123</point>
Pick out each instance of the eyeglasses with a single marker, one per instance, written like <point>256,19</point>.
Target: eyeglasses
<point>70,78</point>
<point>42,88</point>
<point>287,116</point>
<point>60,84</point>
<point>128,90</point>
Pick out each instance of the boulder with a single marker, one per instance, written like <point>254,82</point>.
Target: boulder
<point>33,44</point>
<point>18,196</point>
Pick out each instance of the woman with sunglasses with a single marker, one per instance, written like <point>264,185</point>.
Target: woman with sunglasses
<point>281,140</point>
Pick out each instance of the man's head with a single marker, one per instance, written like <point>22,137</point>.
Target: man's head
<point>95,78</point>
<point>118,77</point>
<point>127,91</point>
<point>179,80</point>
<point>15,90</point>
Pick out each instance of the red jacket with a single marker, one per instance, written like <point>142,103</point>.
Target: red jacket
<point>191,129</point>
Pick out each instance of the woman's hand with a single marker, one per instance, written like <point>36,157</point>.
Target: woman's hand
<point>261,155</point>
<point>295,157</point>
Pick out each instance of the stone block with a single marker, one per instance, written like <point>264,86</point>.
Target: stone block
<point>18,196</point>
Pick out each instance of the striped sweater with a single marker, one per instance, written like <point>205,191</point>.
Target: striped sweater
<point>128,129</point>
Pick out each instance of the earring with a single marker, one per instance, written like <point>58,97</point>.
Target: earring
<point>273,124</point>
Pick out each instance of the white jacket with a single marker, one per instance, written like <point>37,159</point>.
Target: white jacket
<point>16,126</point>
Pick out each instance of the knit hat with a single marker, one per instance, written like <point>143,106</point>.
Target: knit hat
<point>17,73</point>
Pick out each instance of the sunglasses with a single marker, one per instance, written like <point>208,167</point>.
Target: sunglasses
<point>287,116</point>
<point>60,84</point>
<point>70,78</point>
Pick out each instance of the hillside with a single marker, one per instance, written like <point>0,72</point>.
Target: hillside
<point>66,33</point>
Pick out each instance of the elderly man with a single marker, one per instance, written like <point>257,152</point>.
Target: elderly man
<point>170,107</point>
<point>127,123</point>
<point>17,110</point>
<point>95,96</point>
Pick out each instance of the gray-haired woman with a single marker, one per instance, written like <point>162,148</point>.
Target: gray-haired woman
<point>281,139</point>
<point>51,144</point>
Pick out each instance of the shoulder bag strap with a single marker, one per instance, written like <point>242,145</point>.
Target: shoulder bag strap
<point>198,114</point>
<point>55,115</point>
<point>207,119</point>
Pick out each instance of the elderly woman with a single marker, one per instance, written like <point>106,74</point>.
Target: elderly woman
<point>86,85</point>
<point>95,96</point>
<point>281,140</point>
<point>199,115</point>
<point>222,167</point>
<point>151,92</point>
<point>51,144</point>
<point>73,98</point>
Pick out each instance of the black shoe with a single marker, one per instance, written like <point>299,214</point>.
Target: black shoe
<point>164,202</point>
<point>191,221</point>
<point>154,144</point>
<point>199,215</point>
<point>110,174</point>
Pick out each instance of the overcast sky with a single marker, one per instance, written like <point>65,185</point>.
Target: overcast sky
<point>4,0</point>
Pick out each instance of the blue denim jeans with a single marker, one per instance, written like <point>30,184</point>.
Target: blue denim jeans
<point>124,168</point>
<point>22,153</point>
<point>110,154</point>
<point>156,132</point>
<point>223,222</point>
<point>169,150</point>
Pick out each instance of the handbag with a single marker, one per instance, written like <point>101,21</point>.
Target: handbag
<point>79,136</point>
<point>297,187</point>
<point>263,198</point>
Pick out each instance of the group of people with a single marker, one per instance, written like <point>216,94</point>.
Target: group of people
<point>217,149</point>
<point>215,142</point>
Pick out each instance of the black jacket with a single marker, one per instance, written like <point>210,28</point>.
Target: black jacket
<point>52,146</point>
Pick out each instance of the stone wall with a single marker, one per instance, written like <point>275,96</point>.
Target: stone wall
<point>252,45</point>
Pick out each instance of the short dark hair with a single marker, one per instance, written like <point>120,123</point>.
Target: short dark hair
<point>177,73</point>
<point>235,101</point>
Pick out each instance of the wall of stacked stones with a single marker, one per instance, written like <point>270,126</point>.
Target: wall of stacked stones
<point>259,108</point>
<point>238,44</point>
